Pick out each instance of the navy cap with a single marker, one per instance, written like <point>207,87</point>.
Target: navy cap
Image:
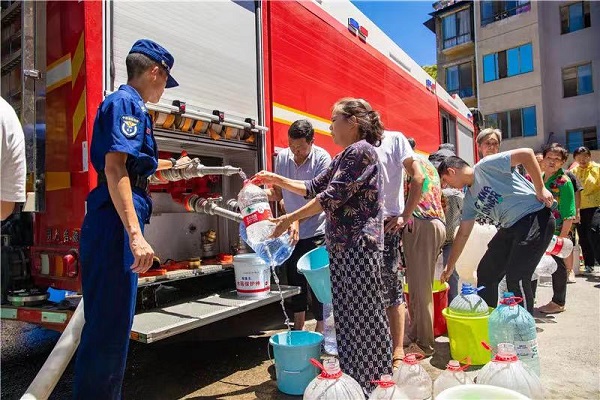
<point>157,53</point>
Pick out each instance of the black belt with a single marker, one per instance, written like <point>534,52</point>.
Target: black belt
<point>137,181</point>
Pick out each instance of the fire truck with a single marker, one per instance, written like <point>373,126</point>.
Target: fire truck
<point>247,70</point>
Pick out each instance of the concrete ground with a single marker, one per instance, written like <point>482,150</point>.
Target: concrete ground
<point>228,360</point>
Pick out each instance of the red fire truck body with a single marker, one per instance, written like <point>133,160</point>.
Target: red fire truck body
<point>246,70</point>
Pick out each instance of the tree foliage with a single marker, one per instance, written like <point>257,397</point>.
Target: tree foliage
<point>431,70</point>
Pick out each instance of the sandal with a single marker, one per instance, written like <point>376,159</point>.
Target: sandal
<point>396,361</point>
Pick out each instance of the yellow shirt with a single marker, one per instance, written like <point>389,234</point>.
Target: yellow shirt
<point>590,180</point>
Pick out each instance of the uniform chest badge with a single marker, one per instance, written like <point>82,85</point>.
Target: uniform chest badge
<point>129,126</point>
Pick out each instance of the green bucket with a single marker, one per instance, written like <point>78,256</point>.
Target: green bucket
<point>466,334</point>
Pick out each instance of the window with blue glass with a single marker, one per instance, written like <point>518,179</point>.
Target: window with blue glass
<point>456,28</point>
<point>587,137</point>
<point>505,63</point>
<point>459,80</point>
<point>514,123</point>
<point>492,11</point>
<point>577,80</point>
<point>575,16</point>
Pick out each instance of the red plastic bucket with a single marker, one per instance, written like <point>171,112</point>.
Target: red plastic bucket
<point>440,301</point>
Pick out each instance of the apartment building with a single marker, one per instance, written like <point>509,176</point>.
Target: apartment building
<point>452,22</point>
<point>537,69</point>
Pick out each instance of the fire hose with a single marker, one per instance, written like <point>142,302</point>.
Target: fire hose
<point>46,379</point>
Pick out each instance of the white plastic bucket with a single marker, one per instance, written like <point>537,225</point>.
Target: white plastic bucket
<point>472,391</point>
<point>252,275</point>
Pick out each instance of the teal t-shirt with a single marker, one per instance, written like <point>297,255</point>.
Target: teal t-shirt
<point>499,193</point>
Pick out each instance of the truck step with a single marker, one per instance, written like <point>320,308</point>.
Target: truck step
<point>168,321</point>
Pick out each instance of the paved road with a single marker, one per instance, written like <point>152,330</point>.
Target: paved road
<point>197,365</point>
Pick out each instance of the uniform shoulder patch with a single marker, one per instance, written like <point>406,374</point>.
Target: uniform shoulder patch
<point>129,126</point>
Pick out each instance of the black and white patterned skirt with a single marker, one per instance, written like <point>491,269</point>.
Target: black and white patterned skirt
<point>362,329</point>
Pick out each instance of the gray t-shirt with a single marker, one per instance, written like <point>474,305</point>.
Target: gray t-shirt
<point>499,192</point>
<point>318,160</point>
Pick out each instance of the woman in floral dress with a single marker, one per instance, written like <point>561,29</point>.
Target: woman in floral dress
<point>348,193</point>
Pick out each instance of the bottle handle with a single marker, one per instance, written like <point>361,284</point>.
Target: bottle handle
<point>511,301</point>
<point>467,362</point>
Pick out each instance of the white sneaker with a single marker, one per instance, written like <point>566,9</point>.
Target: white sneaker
<point>571,277</point>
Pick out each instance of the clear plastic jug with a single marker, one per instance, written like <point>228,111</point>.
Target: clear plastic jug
<point>412,378</point>
<point>468,302</point>
<point>387,390</point>
<point>505,370</point>
<point>511,323</point>
<point>454,375</point>
<point>560,247</point>
<point>332,383</point>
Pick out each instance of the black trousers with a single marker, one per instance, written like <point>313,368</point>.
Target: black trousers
<point>515,252</point>
<point>299,302</point>
<point>589,235</point>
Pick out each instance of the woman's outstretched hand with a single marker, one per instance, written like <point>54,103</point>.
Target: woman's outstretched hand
<point>282,224</point>
<point>265,178</point>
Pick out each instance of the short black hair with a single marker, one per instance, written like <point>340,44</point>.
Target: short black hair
<point>556,148</point>
<point>412,142</point>
<point>451,162</point>
<point>302,129</point>
<point>582,150</point>
<point>137,64</point>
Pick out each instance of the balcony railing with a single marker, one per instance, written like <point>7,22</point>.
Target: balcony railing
<point>456,40</point>
<point>520,9</point>
<point>462,93</point>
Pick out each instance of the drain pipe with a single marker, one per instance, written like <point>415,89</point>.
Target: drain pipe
<point>46,379</point>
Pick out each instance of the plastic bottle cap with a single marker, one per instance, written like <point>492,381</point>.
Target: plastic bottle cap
<point>330,368</point>
<point>506,295</point>
<point>385,381</point>
<point>453,365</point>
<point>412,358</point>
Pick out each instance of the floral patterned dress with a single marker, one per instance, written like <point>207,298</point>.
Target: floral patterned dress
<point>348,192</point>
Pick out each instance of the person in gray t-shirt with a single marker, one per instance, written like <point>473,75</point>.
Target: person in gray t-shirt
<point>496,190</point>
<point>302,160</point>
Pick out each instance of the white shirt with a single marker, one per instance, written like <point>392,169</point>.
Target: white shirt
<point>12,155</point>
<point>392,152</point>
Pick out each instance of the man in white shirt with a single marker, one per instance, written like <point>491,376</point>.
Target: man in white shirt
<point>396,155</point>
<point>12,156</point>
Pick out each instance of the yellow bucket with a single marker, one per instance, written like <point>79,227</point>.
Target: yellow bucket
<point>466,334</point>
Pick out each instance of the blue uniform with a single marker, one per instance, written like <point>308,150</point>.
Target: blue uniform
<point>109,286</point>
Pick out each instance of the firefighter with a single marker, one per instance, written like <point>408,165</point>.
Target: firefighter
<point>113,249</point>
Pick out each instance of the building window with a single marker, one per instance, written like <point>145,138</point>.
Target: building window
<point>459,80</point>
<point>456,28</point>
<point>574,17</point>
<point>577,80</point>
<point>492,11</point>
<point>587,137</point>
<point>514,123</point>
<point>511,62</point>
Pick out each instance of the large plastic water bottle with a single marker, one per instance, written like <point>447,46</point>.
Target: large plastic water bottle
<point>256,229</point>
<point>560,247</point>
<point>329,340</point>
<point>454,375</point>
<point>468,302</point>
<point>332,383</point>
<point>412,378</point>
<point>387,390</point>
<point>510,323</point>
<point>505,370</point>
